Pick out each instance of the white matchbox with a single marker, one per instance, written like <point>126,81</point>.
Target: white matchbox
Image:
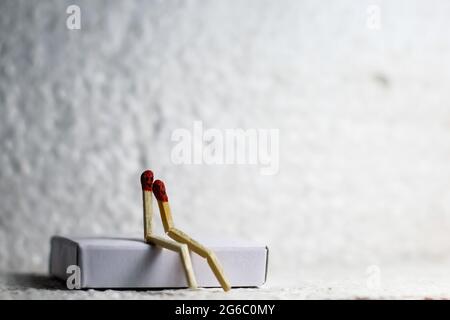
<point>131,263</point>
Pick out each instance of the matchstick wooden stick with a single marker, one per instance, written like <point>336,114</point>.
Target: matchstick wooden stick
<point>146,183</point>
<point>182,249</point>
<point>163,203</point>
<point>201,250</point>
<point>195,246</point>
<point>167,216</point>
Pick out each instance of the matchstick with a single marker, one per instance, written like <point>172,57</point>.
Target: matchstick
<point>195,246</point>
<point>182,249</point>
<point>146,183</point>
<point>163,203</point>
<point>201,250</point>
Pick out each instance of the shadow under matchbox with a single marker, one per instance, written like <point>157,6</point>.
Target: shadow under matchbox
<point>131,263</point>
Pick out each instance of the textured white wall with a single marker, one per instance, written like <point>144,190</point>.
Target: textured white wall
<point>364,118</point>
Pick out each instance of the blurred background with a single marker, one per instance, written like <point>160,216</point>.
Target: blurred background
<point>358,89</point>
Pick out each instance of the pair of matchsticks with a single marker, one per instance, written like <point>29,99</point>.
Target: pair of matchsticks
<point>183,243</point>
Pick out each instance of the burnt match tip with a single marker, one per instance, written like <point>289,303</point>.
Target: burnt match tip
<point>160,191</point>
<point>147,180</point>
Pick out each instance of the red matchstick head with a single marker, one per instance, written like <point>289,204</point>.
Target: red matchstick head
<point>160,191</point>
<point>147,180</point>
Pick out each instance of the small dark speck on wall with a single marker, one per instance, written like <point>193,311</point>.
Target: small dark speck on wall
<point>381,79</point>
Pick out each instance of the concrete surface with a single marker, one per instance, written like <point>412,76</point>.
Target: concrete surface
<point>418,282</point>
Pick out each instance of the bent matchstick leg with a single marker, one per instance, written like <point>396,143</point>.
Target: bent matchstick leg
<point>182,249</point>
<point>163,203</point>
<point>201,250</point>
